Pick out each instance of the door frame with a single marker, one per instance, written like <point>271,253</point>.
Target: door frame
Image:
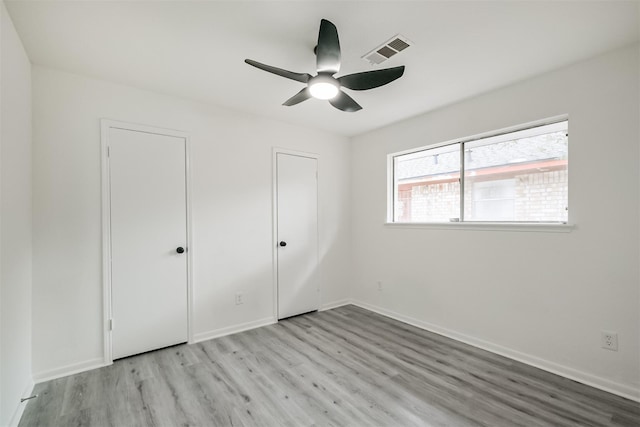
<point>105,126</point>
<point>274,201</point>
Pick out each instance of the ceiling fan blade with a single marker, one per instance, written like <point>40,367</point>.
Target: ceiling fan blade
<point>345,103</point>
<point>328,49</point>
<point>371,79</point>
<point>303,95</point>
<point>300,77</point>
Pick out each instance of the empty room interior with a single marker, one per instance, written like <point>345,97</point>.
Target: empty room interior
<point>297,213</point>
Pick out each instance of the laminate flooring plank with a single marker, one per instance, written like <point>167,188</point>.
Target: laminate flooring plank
<point>539,405</point>
<point>244,404</point>
<point>576,394</point>
<point>139,367</point>
<point>479,378</point>
<point>332,398</point>
<point>502,403</point>
<point>262,408</point>
<point>458,414</point>
<point>531,404</point>
<point>337,399</point>
<point>214,398</point>
<point>387,353</point>
<point>572,394</point>
<point>304,396</point>
<point>266,361</point>
<point>281,349</point>
<point>225,344</point>
<point>80,393</point>
<point>618,420</point>
<point>82,417</point>
<point>358,371</point>
<point>163,397</point>
<point>547,397</point>
<point>256,342</point>
<point>335,392</point>
<point>252,365</point>
<point>175,358</point>
<point>188,410</point>
<point>316,326</point>
<point>436,387</point>
<point>45,409</point>
<point>440,379</point>
<point>454,402</point>
<point>118,396</point>
<point>412,335</point>
<point>342,367</point>
<point>436,346</point>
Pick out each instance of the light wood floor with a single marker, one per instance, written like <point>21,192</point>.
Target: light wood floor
<point>342,367</point>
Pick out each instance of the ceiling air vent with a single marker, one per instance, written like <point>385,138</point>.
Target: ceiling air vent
<point>386,50</point>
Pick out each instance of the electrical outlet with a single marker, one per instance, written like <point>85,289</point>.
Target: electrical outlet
<point>609,340</point>
<point>239,298</point>
<point>379,285</point>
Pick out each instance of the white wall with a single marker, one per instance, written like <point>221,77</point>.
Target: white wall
<point>15,223</point>
<point>540,297</point>
<point>231,156</point>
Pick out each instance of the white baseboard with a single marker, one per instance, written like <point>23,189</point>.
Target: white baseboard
<point>17,413</point>
<point>334,304</point>
<point>604,384</point>
<point>88,365</point>
<point>64,371</point>
<point>204,336</point>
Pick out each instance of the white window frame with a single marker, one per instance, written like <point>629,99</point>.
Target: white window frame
<point>495,135</point>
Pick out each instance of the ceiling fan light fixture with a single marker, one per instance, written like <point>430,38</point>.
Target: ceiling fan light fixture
<point>323,87</point>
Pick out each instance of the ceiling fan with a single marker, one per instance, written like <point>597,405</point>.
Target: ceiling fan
<point>324,85</point>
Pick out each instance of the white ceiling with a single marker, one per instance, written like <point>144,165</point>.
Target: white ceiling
<point>196,49</point>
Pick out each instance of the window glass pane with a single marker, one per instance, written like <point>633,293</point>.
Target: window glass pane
<point>521,176</point>
<point>427,185</point>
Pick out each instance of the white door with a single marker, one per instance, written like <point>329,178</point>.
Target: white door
<point>147,175</point>
<point>297,237</point>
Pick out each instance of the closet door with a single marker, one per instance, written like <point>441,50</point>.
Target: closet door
<point>297,236</point>
<point>147,184</point>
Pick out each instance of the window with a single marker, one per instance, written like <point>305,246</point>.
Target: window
<point>519,176</point>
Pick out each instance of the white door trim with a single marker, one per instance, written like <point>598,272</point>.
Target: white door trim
<point>274,203</point>
<point>105,125</point>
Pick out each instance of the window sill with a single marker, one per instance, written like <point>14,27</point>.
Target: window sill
<point>487,226</point>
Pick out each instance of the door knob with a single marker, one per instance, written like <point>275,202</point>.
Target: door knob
<point>283,243</point>
<point>180,250</point>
